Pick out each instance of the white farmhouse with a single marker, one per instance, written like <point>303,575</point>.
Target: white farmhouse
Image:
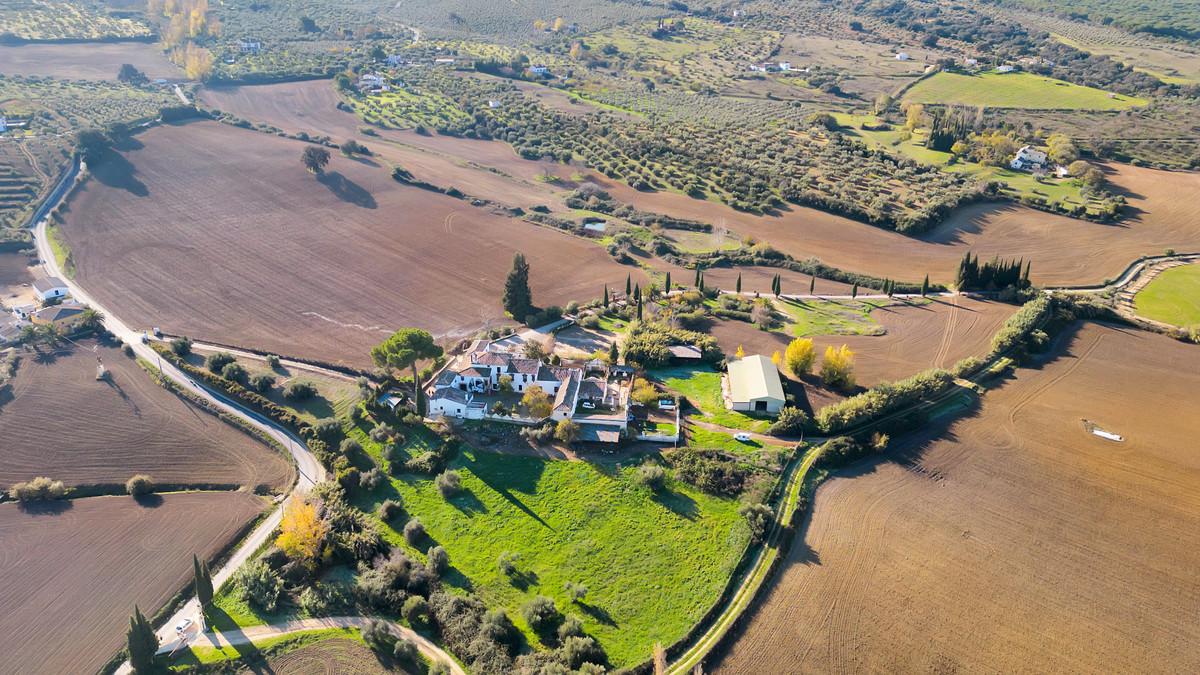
<point>1006,68</point>
<point>1028,158</point>
<point>903,56</point>
<point>50,288</point>
<point>752,385</point>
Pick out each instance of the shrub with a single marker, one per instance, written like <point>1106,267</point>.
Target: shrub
<point>651,476</point>
<point>378,636</point>
<point>234,371</point>
<point>405,651</point>
<point>759,517</point>
<point>328,429</point>
<point>182,346</point>
<point>299,390</point>
<point>428,462</point>
<point>541,614</point>
<point>313,601</point>
<point>414,531</point>
<point>882,399</point>
<point>382,432</point>
<point>370,479</point>
<point>415,610</point>
<point>791,421</point>
<point>349,447</point>
<point>259,585</point>
<point>507,562</point>
<point>262,383</point>
<point>272,361</point>
<point>576,590</point>
<point>38,489</point>
<point>389,509</point>
<point>438,668</point>
<point>706,470</point>
<point>539,435</point>
<point>217,362</point>
<point>578,650</point>
<point>439,560</point>
<point>139,485</point>
<point>571,627</point>
<point>449,483</point>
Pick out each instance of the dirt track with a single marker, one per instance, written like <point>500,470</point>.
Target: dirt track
<point>62,423</point>
<point>1018,543</point>
<point>69,578</point>
<point>220,233</point>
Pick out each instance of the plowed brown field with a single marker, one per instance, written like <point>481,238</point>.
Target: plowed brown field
<point>1015,542</point>
<point>69,578</point>
<point>93,61</point>
<point>337,656</point>
<point>60,422</point>
<point>220,233</point>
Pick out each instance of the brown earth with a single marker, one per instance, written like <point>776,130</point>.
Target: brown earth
<point>59,421</point>
<point>219,233</point>
<point>1015,542</point>
<point>15,277</point>
<point>90,61</point>
<point>71,573</point>
<point>1063,250</point>
<point>338,655</point>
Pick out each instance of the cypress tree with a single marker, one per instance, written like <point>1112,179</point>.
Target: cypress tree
<point>606,296</point>
<point>612,353</point>
<point>518,299</point>
<point>778,285</point>
<point>142,643</point>
<point>738,285</point>
<point>697,284</point>
<point>699,281</point>
<point>639,306</point>
<point>637,291</point>
<point>628,287</point>
<point>667,285</point>
<point>925,286</point>
<point>812,285</point>
<point>854,290</point>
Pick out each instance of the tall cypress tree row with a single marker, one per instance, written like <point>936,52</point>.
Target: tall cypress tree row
<point>518,299</point>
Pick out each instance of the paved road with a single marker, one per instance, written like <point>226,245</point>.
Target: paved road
<point>258,633</point>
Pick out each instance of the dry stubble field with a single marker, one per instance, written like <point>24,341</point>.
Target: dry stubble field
<point>69,578</point>
<point>220,233</point>
<point>1015,542</point>
<point>59,421</point>
<point>335,656</point>
<point>93,61</point>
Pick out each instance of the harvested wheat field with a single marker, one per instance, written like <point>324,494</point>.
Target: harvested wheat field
<point>96,61</point>
<point>324,657</point>
<point>71,572</point>
<point>1017,541</point>
<point>221,234</point>
<point>59,421</point>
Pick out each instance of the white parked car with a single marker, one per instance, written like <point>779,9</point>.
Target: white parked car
<point>587,405</point>
<point>182,627</point>
<point>743,437</point>
<point>666,404</point>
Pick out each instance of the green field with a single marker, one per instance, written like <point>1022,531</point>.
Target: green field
<point>832,317</point>
<point>1173,297</point>
<point>1015,90</point>
<point>652,564</point>
<point>702,386</point>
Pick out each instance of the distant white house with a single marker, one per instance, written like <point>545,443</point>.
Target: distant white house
<point>1028,158</point>
<point>395,60</point>
<point>373,82</point>
<point>443,61</point>
<point>1006,68</point>
<point>751,384</point>
<point>971,63</point>
<point>50,288</point>
<point>785,66</point>
<point>539,70</point>
<point>493,104</point>
<point>903,56</point>
<point>250,46</point>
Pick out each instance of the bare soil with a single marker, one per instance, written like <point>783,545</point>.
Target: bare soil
<point>91,61</point>
<point>72,571</point>
<point>16,278</point>
<point>221,234</point>
<point>337,655</point>
<point>59,421</point>
<point>1015,541</point>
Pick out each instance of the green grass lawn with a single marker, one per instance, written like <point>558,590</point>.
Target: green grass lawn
<point>702,386</point>
<point>652,564</point>
<point>831,317</point>
<point>715,440</point>
<point>1015,90</point>
<point>1173,297</point>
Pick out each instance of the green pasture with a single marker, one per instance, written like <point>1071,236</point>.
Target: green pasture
<point>1015,90</point>
<point>1173,297</point>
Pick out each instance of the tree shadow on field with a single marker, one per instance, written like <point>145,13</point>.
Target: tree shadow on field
<point>51,507</point>
<point>149,501</point>
<point>678,503</point>
<point>598,614</point>
<point>347,190</point>
<point>117,172</point>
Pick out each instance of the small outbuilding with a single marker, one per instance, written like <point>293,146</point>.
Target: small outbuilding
<point>685,353</point>
<point>50,288</point>
<point>752,385</point>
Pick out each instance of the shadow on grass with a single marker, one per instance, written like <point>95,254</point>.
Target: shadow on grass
<point>518,473</point>
<point>467,502</point>
<point>678,503</point>
<point>522,580</point>
<point>598,614</point>
<point>219,621</point>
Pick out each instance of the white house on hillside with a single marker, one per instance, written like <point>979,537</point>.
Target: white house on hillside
<point>50,288</point>
<point>1028,158</point>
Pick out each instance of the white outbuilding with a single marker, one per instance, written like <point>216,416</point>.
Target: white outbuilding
<point>752,385</point>
<point>50,288</point>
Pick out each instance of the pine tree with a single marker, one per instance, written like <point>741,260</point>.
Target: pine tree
<point>925,286</point>
<point>854,290</point>
<point>518,299</point>
<point>142,643</point>
<point>738,285</point>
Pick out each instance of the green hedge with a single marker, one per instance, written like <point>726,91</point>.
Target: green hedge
<point>883,399</point>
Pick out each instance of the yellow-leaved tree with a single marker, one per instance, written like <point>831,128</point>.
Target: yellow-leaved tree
<point>537,402</point>
<point>837,368</point>
<point>776,358</point>
<point>799,356</point>
<point>740,353</point>
<point>302,532</point>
